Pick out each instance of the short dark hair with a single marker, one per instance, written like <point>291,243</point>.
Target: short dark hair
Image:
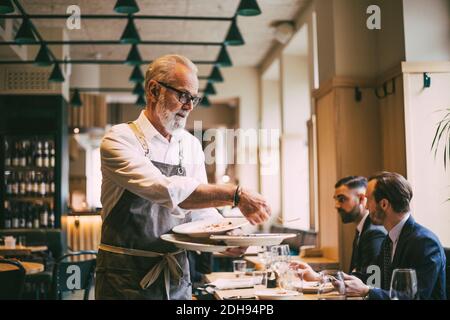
<point>352,182</point>
<point>394,188</point>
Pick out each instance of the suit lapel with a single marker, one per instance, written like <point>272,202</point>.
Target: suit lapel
<point>403,240</point>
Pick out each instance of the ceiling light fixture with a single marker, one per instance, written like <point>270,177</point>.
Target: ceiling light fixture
<point>141,101</point>
<point>43,57</point>
<point>134,57</point>
<point>136,75</point>
<point>248,8</point>
<point>234,36</point>
<point>223,60</point>
<point>130,34</point>
<point>6,6</point>
<point>210,89</point>
<point>56,75</point>
<point>138,89</point>
<point>205,102</point>
<point>215,75</point>
<point>76,99</point>
<point>25,33</point>
<point>126,6</point>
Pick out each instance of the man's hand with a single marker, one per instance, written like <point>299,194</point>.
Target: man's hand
<point>235,252</point>
<point>254,207</point>
<point>308,273</point>
<point>354,287</point>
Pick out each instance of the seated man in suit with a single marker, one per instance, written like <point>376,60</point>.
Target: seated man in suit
<point>350,202</point>
<point>408,244</point>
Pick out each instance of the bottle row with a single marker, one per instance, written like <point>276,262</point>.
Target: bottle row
<point>29,183</point>
<point>20,215</point>
<point>30,152</point>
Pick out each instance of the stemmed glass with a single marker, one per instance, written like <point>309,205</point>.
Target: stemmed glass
<point>403,285</point>
<point>331,285</point>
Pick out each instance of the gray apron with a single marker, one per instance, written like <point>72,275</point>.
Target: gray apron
<point>133,262</point>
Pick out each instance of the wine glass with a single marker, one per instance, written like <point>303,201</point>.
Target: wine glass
<point>331,285</point>
<point>403,285</point>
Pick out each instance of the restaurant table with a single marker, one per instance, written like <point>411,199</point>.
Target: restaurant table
<point>317,263</point>
<point>249,293</point>
<point>30,267</point>
<point>21,250</point>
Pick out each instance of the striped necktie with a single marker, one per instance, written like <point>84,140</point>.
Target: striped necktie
<point>387,264</point>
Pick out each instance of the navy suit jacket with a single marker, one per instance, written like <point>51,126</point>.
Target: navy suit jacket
<point>420,249</point>
<point>368,248</point>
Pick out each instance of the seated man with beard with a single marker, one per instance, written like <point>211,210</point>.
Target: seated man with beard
<point>350,203</point>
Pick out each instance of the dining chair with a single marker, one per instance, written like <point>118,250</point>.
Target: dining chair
<point>11,281</point>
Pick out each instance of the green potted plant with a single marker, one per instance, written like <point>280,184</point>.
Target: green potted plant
<point>442,138</point>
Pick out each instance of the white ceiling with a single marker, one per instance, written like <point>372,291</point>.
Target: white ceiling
<point>257,32</point>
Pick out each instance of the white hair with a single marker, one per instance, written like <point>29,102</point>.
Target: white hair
<point>162,69</point>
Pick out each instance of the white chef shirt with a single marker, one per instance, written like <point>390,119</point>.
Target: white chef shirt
<point>125,166</point>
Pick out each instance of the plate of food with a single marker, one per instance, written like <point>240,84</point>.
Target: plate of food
<point>275,294</point>
<point>257,239</point>
<point>206,228</point>
<point>185,242</point>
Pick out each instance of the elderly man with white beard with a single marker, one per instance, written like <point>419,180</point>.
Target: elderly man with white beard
<point>154,179</point>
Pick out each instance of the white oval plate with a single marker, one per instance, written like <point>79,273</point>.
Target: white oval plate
<point>184,242</point>
<point>257,239</point>
<point>205,228</point>
<point>275,294</point>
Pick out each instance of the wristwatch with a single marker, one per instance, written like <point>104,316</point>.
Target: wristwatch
<point>236,197</point>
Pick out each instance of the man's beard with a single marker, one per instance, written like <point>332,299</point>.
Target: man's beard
<point>378,216</point>
<point>170,120</point>
<point>351,216</point>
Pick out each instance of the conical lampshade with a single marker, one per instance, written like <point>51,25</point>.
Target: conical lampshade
<point>210,89</point>
<point>6,6</point>
<point>25,33</point>
<point>43,57</point>
<point>134,57</point>
<point>130,34</point>
<point>215,75</point>
<point>248,8</point>
<point>141,101</point>
<point>76,99</point>
<point>234,36</point>
<point>126,6</point>
<point>205,102</point>
<point>223,60</point>
<point>136,75</point>
<point>138,89</point>
<point>56,75</point>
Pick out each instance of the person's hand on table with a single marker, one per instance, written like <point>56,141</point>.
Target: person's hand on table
<point>354,287</point>
<point>253,206</point>
<point>308,273</point>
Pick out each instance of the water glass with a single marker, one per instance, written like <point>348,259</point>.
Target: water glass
<point>260,279</point>
<point>239,268</point>
<point>331,285</point>
<point>403,285</point>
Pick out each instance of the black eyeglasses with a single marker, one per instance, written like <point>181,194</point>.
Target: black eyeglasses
<point>183,96</point>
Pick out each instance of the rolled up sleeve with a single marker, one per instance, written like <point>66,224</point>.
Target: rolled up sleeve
<point>127,166</point>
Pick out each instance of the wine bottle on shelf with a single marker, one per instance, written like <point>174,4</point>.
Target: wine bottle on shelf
<point>22,216</point>
<point>38,155</point>
<point>15,155</point>
<point>22,154</point>
<point>30,153</point>
<point>22,184</point>
<point>35,183</point>
<point>51,218</point>
<point>52,182</point>
<point>52,154</point>
<point>8,184</point>
<point>42,183</point>
<point>15,184</point>
<point>43,216</point>
<point>7,223</point>
<point>7,154</point>
<point>14,217</point>
<point>36,218</point>
<point>46,156</point>
<point>29,216</point>
<point>29,183</point>
<point>47,183</point>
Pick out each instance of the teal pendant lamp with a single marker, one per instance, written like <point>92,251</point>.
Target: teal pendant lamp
<point>76,99</point>
<point>56,75</point>
<point>126,6</point>
<point>205,102</point>
<point>6,6</point>
<point>141,101</point>
<point>234,36</point>
<point>248,8</point>
<point>223,60</point>
<point>25,34</point>
<point>210,89</point>
<point>138,89</point>
<point>134,57</point>
<point>130,34</point>
<point>215,75</point>
<point>43,57</point>
<point>136,75</point>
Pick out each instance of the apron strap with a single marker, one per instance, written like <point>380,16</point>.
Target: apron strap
<point>168,264</point>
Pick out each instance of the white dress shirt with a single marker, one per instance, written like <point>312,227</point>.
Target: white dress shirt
<point>125,166</point>
<point>394,234</point>
<point>360,225</point>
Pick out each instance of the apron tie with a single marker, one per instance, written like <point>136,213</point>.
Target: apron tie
<point>168,263</point>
